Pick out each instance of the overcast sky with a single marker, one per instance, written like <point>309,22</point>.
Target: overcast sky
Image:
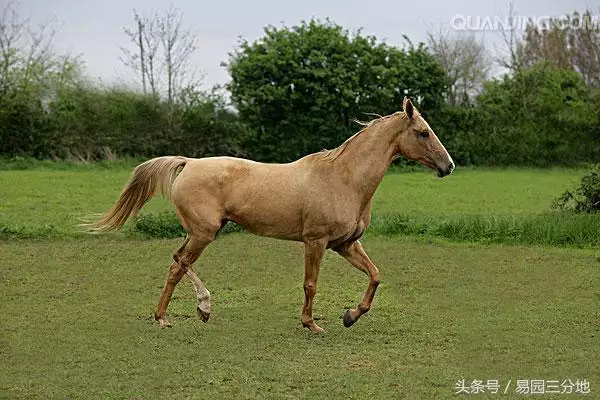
<point>94,28</point>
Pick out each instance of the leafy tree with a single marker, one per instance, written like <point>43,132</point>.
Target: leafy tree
<point>299,88</point>
<point>30,76</point>
<point>539,116</point>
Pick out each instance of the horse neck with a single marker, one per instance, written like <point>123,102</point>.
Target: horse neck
<point>368,156</point>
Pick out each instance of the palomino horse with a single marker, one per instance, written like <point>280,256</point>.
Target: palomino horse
<point>322,199</point>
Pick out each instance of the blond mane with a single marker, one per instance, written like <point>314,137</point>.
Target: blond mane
<point>333,154</point>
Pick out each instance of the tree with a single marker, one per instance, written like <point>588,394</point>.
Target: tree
<point>540,116</point>
<point>513,59</point>
<point>300,88</point>
<point>465,61</point>
<point>31,75</point>
<point>570,42</point>
<point>162,51</point>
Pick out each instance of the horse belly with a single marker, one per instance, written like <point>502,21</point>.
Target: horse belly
<point>266,218</point>
<point>272,209</point>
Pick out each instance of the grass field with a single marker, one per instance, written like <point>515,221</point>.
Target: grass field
<point>77,310</point>
<point>77,321</point>
<point>48,202</point>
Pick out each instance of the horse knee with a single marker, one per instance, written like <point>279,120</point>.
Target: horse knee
<point>310,288</point>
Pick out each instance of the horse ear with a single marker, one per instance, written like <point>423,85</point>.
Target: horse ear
<point>409,109</point>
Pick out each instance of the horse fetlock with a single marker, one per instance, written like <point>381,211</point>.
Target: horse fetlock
<point>312,326</point>
<point>204,304</point>
<point>364,308</point>
<point>204,297</point>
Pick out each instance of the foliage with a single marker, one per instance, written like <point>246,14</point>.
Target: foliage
<point>569,42</point>
<point>540,116</point>
<point>299,88</point>
<point>84,122</point>
<point>18,163</point>
<point>49,109</point>
<point>166,225</point>
<point>585,198</point>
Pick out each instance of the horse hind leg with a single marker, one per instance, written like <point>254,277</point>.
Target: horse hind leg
<point>355,255</point>
<point>202,294</point>
<point>184,257</point>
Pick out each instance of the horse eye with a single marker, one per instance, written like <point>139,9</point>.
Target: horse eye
<point>424,134</point>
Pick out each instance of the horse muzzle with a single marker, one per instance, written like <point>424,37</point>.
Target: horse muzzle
<point>442,172</point>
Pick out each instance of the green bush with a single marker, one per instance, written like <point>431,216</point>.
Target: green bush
<point>541,116</point>
<point>166,225</point>
<point>585,198</point>
<point>161,225</point>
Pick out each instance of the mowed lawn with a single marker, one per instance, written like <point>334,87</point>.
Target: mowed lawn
<point>77,320</point>
<point>77,310</point>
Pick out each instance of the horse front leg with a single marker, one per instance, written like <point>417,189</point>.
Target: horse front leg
<point>355,255</point>
<point>313,254</point>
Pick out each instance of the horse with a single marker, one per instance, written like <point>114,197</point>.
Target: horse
<point>322,199</point>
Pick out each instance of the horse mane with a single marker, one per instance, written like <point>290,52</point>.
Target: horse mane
<point>333,154</point>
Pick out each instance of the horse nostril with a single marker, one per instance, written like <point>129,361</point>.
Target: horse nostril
<point>450,167</point>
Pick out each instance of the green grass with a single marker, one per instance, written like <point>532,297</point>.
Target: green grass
<point>77,309</point>
<point>48,202</point>
<point>77,320</point>
<point>53,201</point>
<point>474,191</point>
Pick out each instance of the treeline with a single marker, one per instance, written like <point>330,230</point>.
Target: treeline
<point>89,123</point>
<point>295,90</point>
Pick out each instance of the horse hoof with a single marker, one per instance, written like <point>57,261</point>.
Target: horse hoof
<point>348,320</point>
<point>203,315</point>
<point>163,323</point>
<point>313,327</point>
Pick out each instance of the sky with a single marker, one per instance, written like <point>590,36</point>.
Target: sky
<point>94,29</point>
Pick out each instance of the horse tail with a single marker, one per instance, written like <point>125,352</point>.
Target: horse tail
<point>155,175</point>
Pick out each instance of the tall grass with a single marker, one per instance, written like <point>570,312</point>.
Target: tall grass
<point>552,229</point>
